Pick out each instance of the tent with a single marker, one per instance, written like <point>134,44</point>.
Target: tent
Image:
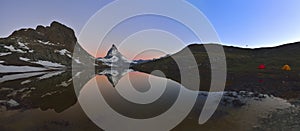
<point>286,68</point>
<point>262,66</point>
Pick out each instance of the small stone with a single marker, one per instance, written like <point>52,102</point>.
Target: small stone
<point>12,103</point>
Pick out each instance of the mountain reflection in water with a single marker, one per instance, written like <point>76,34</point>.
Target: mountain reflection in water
<point>48,101</point>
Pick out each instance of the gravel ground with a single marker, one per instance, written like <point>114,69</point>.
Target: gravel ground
<point>281,120</point>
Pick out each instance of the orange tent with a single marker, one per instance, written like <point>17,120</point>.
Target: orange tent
<point>286,68</point>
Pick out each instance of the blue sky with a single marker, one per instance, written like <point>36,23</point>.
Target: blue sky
<point>253,22</point>
<point>256,23</point>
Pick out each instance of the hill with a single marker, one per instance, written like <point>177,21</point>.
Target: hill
<point>242,71</point>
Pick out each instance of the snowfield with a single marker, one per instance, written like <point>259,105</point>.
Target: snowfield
<point>48,63</point>
<point>43,63</point>
<point>19,76</point>
<point>10,69</point>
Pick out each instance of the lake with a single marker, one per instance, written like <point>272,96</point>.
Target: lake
<point>126,99</point>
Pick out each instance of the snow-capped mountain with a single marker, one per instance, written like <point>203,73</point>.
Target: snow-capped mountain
<point>114,58</point>
<point>43,48</point>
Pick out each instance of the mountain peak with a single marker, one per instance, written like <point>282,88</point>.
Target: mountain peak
<point>113,51</point>
<point>55,23</point>
<point>114,58</point>
<point>114,48</point>
<point>55,33</point>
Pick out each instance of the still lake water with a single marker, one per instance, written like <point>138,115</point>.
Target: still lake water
<point>48,101</point>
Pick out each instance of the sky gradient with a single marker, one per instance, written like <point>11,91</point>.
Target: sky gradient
<point>255,23</point>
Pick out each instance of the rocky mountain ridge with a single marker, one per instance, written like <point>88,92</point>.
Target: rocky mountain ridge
<point>39,49</point>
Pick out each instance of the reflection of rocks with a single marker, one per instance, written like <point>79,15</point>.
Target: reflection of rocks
<point>295,102</point>
<point>114,74</point>
<point>233,98</point>
<point>10,104</point>
<point>244,94</point>
<point>48,90</point>
<point>238,99</point>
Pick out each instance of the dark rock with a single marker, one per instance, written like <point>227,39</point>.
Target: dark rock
<point>238,103</point>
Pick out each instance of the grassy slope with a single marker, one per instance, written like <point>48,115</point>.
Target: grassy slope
<point>242,68</point>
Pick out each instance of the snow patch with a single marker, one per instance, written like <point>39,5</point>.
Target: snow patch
<point>70,79</point>
<point>77,61</point>
<point>112,59</point>
<point>6,89</point>
<point>4,54</point>
<point>24,59</point>
<point>13,49</point>
<point>63,84</point>
<point>111,65</point>
<point>62,52</point>
<point>51,74</point>
<point>2,61</point>
<point>23,45</point>
<point>77,74</point>
<point>126,71</point>
<point>45,43</point>
<point>126,60</point>
<point>25,82</point>
<point>50,93</point>
<point>69,55</point>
